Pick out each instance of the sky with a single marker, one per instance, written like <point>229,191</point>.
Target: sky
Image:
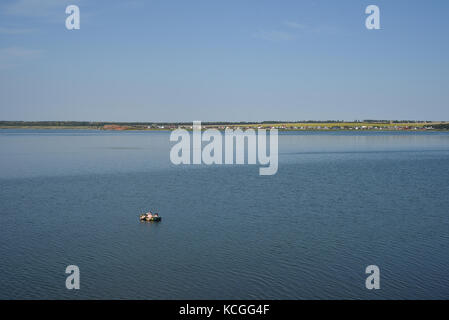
<point>217,60</point>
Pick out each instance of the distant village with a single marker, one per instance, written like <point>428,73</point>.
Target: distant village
<point>364,125</point>
<point>287,126</point>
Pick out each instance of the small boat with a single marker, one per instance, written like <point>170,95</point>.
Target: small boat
<point>143,217</point>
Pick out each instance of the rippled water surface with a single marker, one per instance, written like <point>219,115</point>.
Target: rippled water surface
<point>339,202</point>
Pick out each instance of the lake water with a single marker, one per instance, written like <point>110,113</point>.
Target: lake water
<point>340,201</point>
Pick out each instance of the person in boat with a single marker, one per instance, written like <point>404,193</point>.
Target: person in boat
<point>149,215</point>
<point>156,215</point>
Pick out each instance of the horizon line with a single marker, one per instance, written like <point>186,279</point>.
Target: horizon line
<point>225,121</point>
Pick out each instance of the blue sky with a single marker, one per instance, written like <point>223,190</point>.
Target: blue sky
<point>223,60</point>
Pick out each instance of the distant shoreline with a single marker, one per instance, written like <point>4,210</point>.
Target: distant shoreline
<point>365,125</point>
